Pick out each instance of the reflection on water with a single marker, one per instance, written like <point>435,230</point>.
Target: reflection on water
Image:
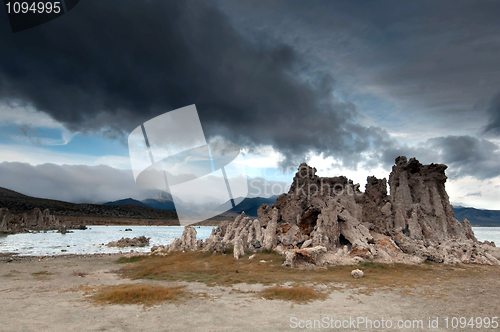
<point>92,240</point>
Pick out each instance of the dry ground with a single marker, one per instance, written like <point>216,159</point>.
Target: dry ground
<point>200,292</point>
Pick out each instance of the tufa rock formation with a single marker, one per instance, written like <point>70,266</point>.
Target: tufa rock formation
<point>323,221</point>
<point>140,241</point>
<point>34,220</point>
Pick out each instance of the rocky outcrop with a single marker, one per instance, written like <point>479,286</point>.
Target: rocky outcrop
<point>140,241</point>
<point>34,220</point>
<point>323,221</point>
<point>420,205</point>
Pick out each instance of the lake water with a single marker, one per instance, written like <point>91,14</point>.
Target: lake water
<point>91,241</point>
<point>487,234</point>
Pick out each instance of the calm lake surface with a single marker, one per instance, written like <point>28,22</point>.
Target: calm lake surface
<point>91,241</point>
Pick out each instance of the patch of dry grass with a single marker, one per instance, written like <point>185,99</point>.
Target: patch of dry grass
<point>224,270</point>
<point>135,294</point>
<point>297,294</point>
<point>12,273</point>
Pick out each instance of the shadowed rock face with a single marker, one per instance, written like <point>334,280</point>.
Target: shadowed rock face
<point>376,207</point>
<point>332,222</point>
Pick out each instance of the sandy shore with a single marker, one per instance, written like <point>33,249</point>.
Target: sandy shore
<point>47,295</point>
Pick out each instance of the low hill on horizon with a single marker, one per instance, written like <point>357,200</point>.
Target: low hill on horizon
<point>478,217</point>
<point>19,203</point>
<point>249,205</point>
<point>126,201</point>
<point>4,192</point>
<point>159,204</point>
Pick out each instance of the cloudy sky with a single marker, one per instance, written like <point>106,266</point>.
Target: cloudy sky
<point>345,86</point>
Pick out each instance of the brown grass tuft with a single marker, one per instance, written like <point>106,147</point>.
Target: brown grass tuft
<point>136,294</point>
<point>224,270</point>
<point>298,294</point>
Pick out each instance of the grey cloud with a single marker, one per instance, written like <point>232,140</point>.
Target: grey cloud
<point>114,64</point>
<point>464,155</point>
<point>436,62</point>
<point>96,184</point>
<point>478,194</point>
<point>77,184</point>
<point>29,133</point>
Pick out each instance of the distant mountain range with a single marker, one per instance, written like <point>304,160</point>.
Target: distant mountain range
<point>162,207</point>
<point>485,218</point>
<point>249,205</point>
<point>131,209</point>
<point>127,201</point>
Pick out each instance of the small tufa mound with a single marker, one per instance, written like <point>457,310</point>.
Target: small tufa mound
<point>140,241</point>
<point>356,274</point>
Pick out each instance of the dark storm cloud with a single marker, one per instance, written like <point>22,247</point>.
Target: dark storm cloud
<point>494,112</point>
<point>464,155</point>
<point>435,64</point>
<point>111,65</point>
<point>114,64</point>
